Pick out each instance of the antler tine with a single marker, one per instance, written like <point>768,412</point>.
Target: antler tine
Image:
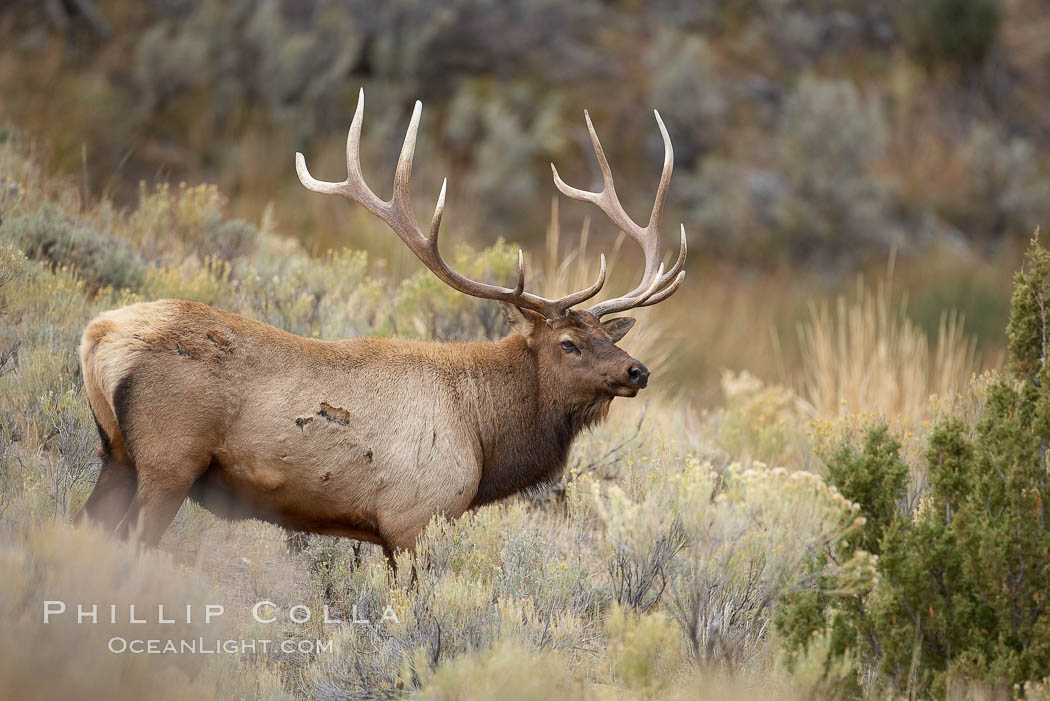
<point>653,287</point>
<point>664,293</point>
<point>354,187</point>
<point>403,173</point>
<point>606,200</point>
<point>353,141</point>
<point>583,295</point>
<point>654,281</point>
<point>683,251</point>
<point>397,214</point>
<point>662,287</point>
<point>665,176</point>
<point>520,287</point>
<point>435,222</point>
<point>608,186</point>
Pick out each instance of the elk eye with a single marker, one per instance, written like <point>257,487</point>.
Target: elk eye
<point>569,347</point>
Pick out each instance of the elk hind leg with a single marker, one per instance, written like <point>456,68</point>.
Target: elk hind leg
<point>115,487</point>
<point>112,495</point>
<point>162,487</point>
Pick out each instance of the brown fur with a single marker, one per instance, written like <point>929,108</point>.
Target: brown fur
<point>367,438</point>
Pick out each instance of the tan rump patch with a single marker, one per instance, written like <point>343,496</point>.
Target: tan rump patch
<point>94,333</point>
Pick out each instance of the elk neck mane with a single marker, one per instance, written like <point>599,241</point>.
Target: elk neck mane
<point>526,422</point>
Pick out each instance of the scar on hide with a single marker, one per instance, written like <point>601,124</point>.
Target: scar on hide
<point>302,421</point>
<point>327,476</point>
<point>334,414</point>
<point>220,341</point>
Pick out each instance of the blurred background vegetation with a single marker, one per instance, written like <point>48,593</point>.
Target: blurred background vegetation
<point>814,139</point>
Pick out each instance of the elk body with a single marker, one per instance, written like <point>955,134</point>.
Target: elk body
<point>367,438</point>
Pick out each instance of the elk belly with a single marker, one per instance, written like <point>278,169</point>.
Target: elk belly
<point>311,467</point>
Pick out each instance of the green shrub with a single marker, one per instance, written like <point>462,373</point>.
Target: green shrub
<point>71,433</point>
<point>426,307</point>
<point>831,616</point>
<point>809,185</point>
<point>61,564</point>
<point>874,477</point>
<point>645,651</point>
<point>961,595</point>
<point>471,584</point>
<point>763,422</point>
<point>207,281</point>
<point>747,534</point>
<point>47,234</point>
<point>954,31</point>
<point>328,297</point>
<point>189,220</point>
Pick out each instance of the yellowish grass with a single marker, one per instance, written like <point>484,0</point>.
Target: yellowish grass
<point>864,355</point>
<point>70,656</point>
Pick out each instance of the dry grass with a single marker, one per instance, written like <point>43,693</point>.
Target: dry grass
<point>68,658</point>
<point>863,355</point>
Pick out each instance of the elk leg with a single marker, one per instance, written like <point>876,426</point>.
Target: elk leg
<point>390,560</point>
<point>113,492</point>
<point>116,483</point>
<point>159,495</point>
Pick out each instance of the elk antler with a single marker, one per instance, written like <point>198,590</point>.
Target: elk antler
<point>656,285</point>
<point>397,214</point>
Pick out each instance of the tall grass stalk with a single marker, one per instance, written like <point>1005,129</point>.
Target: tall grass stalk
<point>864,355</point>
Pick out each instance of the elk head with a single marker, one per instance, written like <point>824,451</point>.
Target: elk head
<point>577,353</point>
<point>575,350</point>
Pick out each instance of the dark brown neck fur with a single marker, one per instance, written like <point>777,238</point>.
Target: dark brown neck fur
<point>525,427</point>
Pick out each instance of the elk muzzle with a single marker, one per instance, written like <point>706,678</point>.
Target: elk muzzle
<point>635,377</point>
<point>638,375</point>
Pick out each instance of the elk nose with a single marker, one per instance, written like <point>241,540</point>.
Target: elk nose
<point>638,374</point>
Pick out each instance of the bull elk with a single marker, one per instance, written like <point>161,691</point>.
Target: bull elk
<point>365,437</point>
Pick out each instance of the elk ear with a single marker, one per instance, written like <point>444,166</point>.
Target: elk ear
<point>524,321</point>
<point>617,328</point>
